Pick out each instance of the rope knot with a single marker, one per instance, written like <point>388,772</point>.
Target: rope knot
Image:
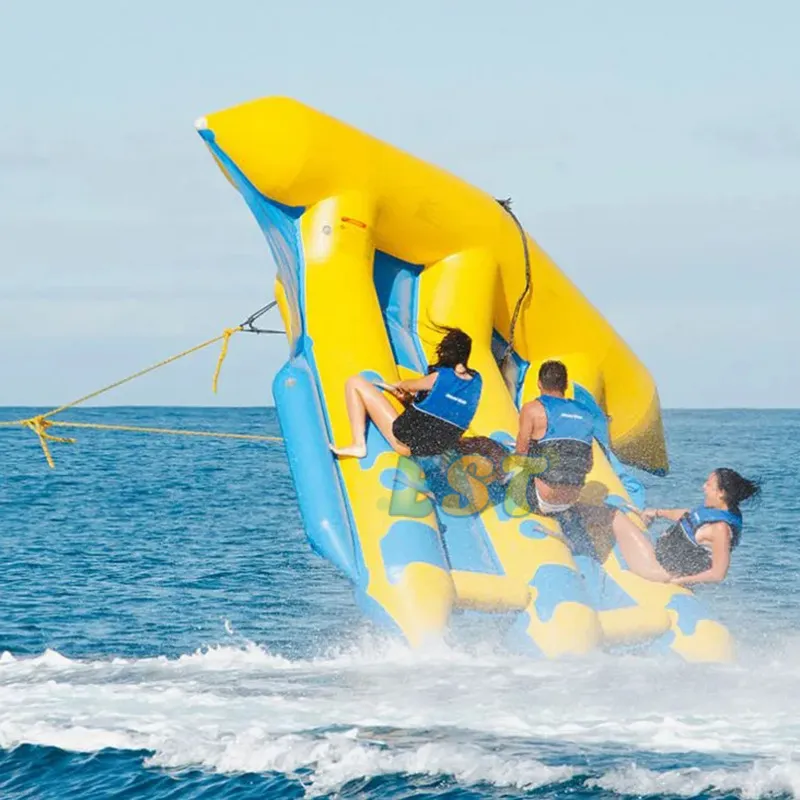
<point>39,426</point>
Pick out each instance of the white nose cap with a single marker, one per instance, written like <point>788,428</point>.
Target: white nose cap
<point>201,124</point>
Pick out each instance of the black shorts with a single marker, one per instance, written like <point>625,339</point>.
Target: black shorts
<point>425,435</point>
<point>567,463</point>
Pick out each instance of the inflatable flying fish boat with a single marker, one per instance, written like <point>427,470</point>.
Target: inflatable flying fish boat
<point>371,245</point>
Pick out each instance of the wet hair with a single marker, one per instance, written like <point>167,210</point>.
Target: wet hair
<point>735,488</point>
<point>553,376</point>
<point>453,349</point>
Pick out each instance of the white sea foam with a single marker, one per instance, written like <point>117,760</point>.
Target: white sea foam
<point>336,758</point>
<point>381,708</point>
<point>762,779</point>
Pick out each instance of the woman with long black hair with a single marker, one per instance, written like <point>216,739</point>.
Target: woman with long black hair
<point>439,407</point>
<point>697,547</point>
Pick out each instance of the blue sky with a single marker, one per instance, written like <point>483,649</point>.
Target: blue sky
<point>652,149</point>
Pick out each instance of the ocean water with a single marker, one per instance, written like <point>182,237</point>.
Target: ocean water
<point>165,632</point>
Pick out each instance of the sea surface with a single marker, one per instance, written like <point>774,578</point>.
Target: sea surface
<point>166,632</point>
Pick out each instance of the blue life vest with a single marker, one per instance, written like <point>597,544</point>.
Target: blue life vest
<point>566,446</point>
<point>702,515</point>
<point>452,399</point>
<point>678,550</point>
<point>567,420</point>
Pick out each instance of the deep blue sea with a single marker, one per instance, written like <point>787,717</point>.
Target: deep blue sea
<point>166,632</point>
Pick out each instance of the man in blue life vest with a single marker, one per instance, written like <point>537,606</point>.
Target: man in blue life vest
<point>558,434</point>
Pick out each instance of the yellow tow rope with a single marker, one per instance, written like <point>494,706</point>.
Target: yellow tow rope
<point>41,422</point>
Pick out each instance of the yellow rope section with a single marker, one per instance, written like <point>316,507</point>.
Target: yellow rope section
<point>226,335</point>
<point>223,337</point>
<point>253,437</point>
<point>40,423</point>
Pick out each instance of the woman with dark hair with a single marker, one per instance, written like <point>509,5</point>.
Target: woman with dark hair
<point>697,547</point>
<point>439,407</point>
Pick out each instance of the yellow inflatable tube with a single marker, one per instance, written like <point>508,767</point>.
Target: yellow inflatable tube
<point>371,245</point>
